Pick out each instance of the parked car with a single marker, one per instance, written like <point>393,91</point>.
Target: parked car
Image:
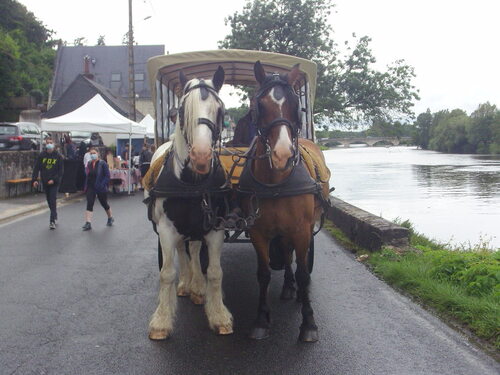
<point>77,137</point>
<point>19,136</point>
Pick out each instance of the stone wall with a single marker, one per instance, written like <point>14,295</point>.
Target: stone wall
<point>14,165</point>
<point>365,229</point>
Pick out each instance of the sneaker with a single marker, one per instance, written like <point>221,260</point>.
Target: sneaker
<point>110,221</point>
<point>87,226</point>
<point>52,225</point>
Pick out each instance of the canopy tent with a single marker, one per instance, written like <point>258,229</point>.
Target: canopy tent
<point>96,116</point>
<point>149,122</point>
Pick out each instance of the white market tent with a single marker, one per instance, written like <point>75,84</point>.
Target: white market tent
<point>149,122</point>
<point>95,116</point>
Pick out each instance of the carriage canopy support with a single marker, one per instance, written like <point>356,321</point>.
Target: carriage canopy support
<point>238,66</point>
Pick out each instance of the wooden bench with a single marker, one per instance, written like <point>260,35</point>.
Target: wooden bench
<point>16,182</point>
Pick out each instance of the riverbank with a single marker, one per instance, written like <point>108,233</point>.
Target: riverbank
<point>461,285</point>
<point>450,198</point>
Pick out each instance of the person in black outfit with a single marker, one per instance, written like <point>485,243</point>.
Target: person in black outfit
<point>97,185</point>
<point>145,160</point>
<point>50,166</point>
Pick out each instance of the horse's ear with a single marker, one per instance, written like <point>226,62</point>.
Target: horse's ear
<point>293,75</point>
<point>260,74</point>
<point>182,79</point>
<point>218,79</point>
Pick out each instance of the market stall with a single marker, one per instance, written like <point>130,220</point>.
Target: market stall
<point>96,116</point>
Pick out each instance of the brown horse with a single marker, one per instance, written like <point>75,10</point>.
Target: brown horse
<point>288,216</point>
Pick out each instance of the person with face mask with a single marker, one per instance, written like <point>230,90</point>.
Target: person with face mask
<point>96,184</point>
<point>49,164</point>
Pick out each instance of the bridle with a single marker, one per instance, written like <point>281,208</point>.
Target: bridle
<point>263,131</point>
<point>214,128</point>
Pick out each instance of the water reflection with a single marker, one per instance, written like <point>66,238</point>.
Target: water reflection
<point>449,197</point>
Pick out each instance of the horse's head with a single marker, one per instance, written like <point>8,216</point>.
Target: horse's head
<point>200,119</point>
<point>277,113</point>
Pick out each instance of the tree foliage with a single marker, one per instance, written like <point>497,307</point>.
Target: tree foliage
<point>456,132</point>
<point>26,53</point>
<point>350,89</point>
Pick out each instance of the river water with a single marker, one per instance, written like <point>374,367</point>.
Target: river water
<point>448,197</point>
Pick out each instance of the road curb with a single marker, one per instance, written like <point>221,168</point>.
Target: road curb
<point>22,211</point>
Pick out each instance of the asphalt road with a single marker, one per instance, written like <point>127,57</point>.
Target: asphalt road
<point>74,302</point>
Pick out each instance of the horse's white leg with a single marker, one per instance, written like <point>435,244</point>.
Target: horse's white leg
<point>198,282</point>
<point>219,317</point>
<point>161,323</point>
<point>183,289</point>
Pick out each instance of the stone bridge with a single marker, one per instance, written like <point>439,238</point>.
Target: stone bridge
<point>370,141</point>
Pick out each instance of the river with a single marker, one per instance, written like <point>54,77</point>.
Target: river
<point>448,197</point>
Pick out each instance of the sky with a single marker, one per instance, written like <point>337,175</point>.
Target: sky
<point>452,44</point>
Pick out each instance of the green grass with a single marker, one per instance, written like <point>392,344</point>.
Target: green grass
<point>461,284</point>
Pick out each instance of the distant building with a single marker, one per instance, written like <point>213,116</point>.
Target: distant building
<point>108,67</point>
<point>80,91</point>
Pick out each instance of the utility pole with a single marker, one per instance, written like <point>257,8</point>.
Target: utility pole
<point>131,75</point>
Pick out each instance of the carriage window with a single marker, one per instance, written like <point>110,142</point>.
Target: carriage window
<point>139,76</point>
<point>116,77</point>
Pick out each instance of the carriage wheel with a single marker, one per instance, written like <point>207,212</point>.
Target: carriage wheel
<point>310,256</point>
<point>160,254</point>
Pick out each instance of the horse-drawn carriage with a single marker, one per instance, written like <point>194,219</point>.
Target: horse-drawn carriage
<point>280,179</point>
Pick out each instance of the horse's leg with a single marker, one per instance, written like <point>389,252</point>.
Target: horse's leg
<point>308,328</point>
<point>161,323</point>
<point>184,270</point>
<point>197,284</point>
<point>288,290</point>
<point>219,317</point>
<point>260,329</point>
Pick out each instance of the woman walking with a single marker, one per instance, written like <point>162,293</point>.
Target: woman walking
<point>96,184</point>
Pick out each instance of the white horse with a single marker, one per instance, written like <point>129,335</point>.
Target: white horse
<point>193,149</point>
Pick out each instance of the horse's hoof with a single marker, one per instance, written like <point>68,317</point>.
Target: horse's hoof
<point>259,333</point>
<point>224,330</point>
<point>287,293</point>
<point>158,334</point>
<point>183,292</point>
<point>308,334</point>
<point>197,299</point>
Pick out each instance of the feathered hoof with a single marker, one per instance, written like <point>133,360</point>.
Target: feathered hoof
<point>224,330</point>
<point>308,334</point>
<point>259,333</point>
<point>158,334</point>
<point>183,292</point>
<point>197,299</point>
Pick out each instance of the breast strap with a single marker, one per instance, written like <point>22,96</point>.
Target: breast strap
<point>168,185</point>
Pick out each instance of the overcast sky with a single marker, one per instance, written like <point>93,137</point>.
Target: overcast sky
<point>452,44</point>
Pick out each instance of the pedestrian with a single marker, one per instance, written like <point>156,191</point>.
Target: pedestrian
<point>49,164</point>
<point>96,184</point>
<point>86,157</point>
<point>145,160</point>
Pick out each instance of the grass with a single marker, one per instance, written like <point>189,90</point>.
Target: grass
<point>459,284</point>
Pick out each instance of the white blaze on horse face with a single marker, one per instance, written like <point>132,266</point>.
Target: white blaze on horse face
<point>282,150</point>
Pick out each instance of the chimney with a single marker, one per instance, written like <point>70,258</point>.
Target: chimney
<point>86,70</point>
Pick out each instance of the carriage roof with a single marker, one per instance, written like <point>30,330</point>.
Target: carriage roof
<point>238,66</point>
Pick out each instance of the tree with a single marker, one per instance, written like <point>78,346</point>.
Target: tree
<point>26,53</point>
<point>100,40</point>
<point>480,131</point>
<point>80,41</point>
<point>450,132</point>
<point>423,127</point>
<point>349,89</point>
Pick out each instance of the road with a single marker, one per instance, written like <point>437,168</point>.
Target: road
<point>76,302</point>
